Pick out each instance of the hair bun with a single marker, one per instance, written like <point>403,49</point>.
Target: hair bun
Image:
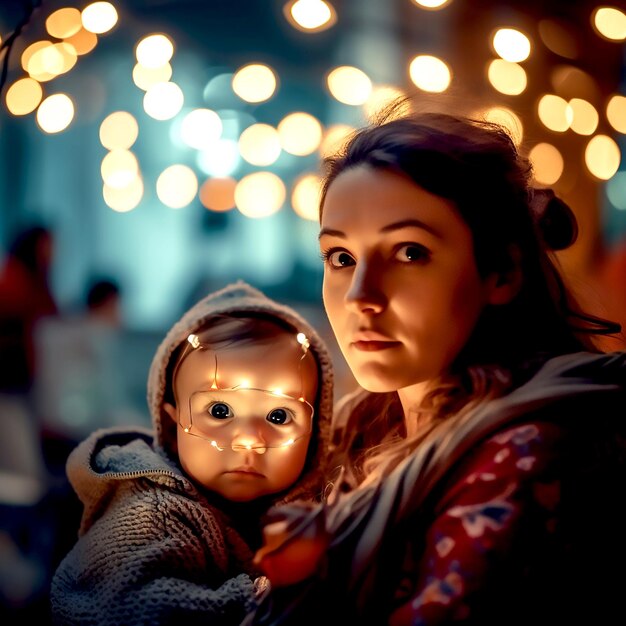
<point>554,218</point>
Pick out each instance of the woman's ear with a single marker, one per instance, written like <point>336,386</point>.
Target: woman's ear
<point>504,286</point>
<point>170,409</point>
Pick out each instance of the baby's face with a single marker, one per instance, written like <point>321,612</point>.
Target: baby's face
<point>250,441</point>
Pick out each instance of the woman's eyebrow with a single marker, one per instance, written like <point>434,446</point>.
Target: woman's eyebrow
<point>411,223</point>
<point>408,223</point>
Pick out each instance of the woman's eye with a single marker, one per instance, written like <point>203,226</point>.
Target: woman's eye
<point>280,417</point>
<point>412,252</point>
<point>220,411</point>
<point>338,258</point>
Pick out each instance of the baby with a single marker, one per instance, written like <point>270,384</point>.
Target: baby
<point>240,393</point>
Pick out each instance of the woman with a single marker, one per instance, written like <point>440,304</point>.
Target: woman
<point>481,467</point>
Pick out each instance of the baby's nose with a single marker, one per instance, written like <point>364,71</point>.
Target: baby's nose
<point>248,438</point>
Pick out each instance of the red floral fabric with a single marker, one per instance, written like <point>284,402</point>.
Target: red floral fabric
<point>509,483</point>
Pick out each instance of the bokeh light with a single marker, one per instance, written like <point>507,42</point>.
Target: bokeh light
<point>126,198</point>
<point>547,163</point>
<point>64,23</point>
<point>616,113</point>
<point>99,17</point>
<point>381,97</point>
<point>51,60</point>
<point>583,115</point>
<point>610,22</point>
<point>177,186</point>
<point>218,194</point>
<point>119,168</point>
<point>349,85</point>
<point>432,4</point>
<point>305,196</point>
<point>201,128</point>
<point>260,194</point>
<point>23,96</point>
<point>511,44</point>
<point>334,138</point>
<point>163,101</point>
<point>508,119</point>
<point>430,73</point>
<point>154,51</point>
<point>310,16</point>
<point>55,113</point>
<point>602,156</point>
<point>507,77</point>
<point>554,113</point>
<point>83,41</point>
<point>144,77</point>
<point>259,144</point>
<point>221,159</point>
<point>300,133</point>
<point>254,82</point>
<point>118,130</point>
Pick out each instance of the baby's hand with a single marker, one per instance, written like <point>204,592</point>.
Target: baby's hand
<point>292,552</point>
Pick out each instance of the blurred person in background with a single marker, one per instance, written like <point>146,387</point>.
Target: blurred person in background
<point>104,302</point>
<point>25,300</point>
<point>80,385</point>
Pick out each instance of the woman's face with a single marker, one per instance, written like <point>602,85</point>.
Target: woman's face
<point>401,287</point>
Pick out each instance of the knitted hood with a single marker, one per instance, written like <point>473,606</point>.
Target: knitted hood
<point>239,297</point>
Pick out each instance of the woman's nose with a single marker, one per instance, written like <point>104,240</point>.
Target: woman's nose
<point>365,294</point>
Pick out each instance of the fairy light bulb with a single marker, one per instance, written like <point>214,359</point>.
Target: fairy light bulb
<point>302,339</point>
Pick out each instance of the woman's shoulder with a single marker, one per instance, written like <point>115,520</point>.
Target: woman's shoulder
<point>599,368</point>
<point>572,403</point>
<point>563,389</point>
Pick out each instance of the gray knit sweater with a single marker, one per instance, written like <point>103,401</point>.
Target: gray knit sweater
<point>152,548</point>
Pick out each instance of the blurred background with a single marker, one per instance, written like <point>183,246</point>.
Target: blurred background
<point>152,151</point>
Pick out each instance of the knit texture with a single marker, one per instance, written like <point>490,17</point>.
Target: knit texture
<point>152,549</point>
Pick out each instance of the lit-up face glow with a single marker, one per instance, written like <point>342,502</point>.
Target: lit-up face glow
<point>401,287</point>
<point>245,415</point>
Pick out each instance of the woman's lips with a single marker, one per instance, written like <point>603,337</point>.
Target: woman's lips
<point>370,341</point>
<point>373,346</point>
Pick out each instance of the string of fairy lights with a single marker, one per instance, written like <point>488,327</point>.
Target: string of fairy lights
<point>219,147</point>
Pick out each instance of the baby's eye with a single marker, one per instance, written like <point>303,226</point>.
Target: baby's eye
<point>412,252</point>
<point>280,417</point>
<point>220,411</point>
<point>337,258</point>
